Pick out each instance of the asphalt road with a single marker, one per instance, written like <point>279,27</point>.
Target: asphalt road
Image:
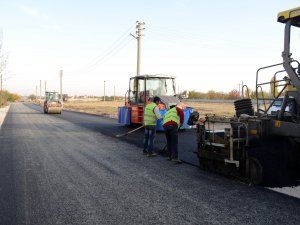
<point>67,169</point>
<point>110,127</point>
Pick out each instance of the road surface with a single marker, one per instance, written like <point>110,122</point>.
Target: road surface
<point>63,169</point>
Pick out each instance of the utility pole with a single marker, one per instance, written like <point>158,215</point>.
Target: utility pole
<point>61,92</point>
<point>36,87</point>
<point>139,28</point>
<point>241,92</point>
<point>104,92</point>
<point>242,89</point>
<point>45,88</point>
<point>114,93</point>
<point>40,90</point>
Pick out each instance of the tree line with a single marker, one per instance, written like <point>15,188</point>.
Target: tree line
<point>6,96</point>
<point>231,95</point>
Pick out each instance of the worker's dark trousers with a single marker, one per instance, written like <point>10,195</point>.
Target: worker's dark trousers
<point>171,132</point>
<point>150,133</point>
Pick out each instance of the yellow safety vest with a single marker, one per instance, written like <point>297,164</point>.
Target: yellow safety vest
<point>149,115</point>
<point>172,115</point>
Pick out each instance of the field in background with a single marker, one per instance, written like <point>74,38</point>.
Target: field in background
<point>110,108</point>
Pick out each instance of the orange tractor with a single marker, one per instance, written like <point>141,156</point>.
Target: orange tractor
<point>141,91</point>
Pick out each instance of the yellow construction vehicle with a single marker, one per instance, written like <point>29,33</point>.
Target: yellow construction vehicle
<point>258,146</point>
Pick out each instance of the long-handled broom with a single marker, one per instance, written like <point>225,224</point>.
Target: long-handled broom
<point>129,132</point>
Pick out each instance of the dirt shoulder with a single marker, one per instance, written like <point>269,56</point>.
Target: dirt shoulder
<point>110,109</point>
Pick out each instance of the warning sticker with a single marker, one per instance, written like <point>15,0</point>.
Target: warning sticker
<point>277,123</point>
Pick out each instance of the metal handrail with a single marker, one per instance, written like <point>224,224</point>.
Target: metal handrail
<point>243,91</point>
<point>263,98</point>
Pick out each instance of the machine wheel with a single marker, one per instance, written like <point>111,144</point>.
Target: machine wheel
<point>255,171</point>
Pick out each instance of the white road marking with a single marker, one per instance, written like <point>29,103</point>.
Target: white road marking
<point>292,191</point>
<point>3,112</point>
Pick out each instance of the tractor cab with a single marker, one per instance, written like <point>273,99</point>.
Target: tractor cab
<point>142,90</point>
<point>51,96</point>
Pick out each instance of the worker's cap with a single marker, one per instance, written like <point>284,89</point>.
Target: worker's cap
<point>156,99</point>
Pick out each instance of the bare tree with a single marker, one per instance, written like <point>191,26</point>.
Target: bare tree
<point>3,63</point>
<point>3,58</point>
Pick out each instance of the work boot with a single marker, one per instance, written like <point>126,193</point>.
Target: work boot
<point>152,154</point>
<point>177,161</point>
<point>145,152</point>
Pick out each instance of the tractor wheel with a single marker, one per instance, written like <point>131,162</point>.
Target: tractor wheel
<point>255,171</point>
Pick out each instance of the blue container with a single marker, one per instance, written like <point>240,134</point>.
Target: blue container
<point>187,112</point>
<point>124,115</point>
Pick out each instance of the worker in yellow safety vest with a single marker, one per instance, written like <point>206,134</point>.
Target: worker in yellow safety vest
<point>151,115</point>
<point>173,119</point>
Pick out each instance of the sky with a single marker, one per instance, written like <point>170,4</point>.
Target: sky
<point>206,45</point>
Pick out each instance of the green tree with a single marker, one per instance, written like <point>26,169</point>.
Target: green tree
<point>31,97</point>
<point>273,87</point>
<point>13,97</point>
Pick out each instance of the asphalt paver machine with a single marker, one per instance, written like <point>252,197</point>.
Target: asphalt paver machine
<point>52,103</point>
<point>142,89</point>
<point>256,146</point>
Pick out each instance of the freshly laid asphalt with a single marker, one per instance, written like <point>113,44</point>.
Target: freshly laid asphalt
<point>71,169</point>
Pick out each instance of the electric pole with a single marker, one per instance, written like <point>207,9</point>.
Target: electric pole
<point>36,87</point>
<point>242,89</point>
<point>104,92</point>
<point>45,88</point>
<point>139,28</point>
<point>61,94</point>
<point>114,94</point>
<point>40,90</point>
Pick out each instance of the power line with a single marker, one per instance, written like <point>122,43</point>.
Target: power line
<point>109,49</point>
<point>115,47</point>
<point>110,54</point>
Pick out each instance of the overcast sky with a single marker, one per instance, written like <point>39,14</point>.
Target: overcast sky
<point>207,45</point>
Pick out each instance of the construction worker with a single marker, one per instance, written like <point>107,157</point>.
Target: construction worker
<point>151,115</point>
<point>173,119</point>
